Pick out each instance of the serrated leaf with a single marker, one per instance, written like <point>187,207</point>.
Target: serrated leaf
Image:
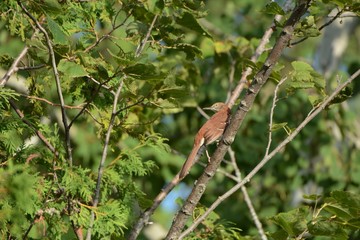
<point>337,210</point>
<point>293,222</point>
<point>59,35</point>
<point>348,200</point>
<point>327,228</point>
<point>304,76</point>
<point>71,69</point>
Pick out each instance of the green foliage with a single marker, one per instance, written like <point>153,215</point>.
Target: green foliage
<point>21,195</point>
<point>215,228</point>
<point>305,77</point>
<point>334,218</point>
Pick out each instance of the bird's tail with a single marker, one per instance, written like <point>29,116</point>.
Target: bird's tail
<point>190,160</point>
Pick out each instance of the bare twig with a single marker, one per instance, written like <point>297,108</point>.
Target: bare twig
<point>57,81</point>
<point>275,99</point>
<point>141,47</point>
<point>96,197</point>
<point>28,68</point>
<point>14,67</point>
<point>269,156</point>
<point>101,84</point>
<point>51,103</point>
<point>105,36</point>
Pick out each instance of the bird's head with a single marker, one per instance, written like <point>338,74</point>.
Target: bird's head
<point>215,107</point>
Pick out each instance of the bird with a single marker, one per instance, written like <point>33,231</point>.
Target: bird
<point>211,131</point>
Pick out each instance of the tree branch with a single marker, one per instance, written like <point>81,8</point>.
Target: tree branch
<point>236,121</point>
<point>102,161</point>
<point>14,67</point>
<point>141,47</point>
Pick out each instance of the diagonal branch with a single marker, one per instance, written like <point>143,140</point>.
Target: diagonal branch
<point>259,80</point>
<point>57,80</point>
<point>144,41</point>
<point>269,156</point>
<point>14,67</point>
<point>102,161</point>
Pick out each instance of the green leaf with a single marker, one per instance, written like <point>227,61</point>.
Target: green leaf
<point>143,71</point>
<point>190,50</point>
<point>188,20</point>
<point>327,228</point>
<point>278,126</point>
<point>59,35</point>
<point>337,210</point>
<point>304,76</point>
<point>347,200</point>
<point>354,223</point>
<point>273,8</point>
<point>71,69</point>
<point>293,222</point>
<point>307,28</point>
<point>312,197</point>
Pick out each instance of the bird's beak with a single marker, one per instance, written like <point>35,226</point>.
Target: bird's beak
<point>209,108</point>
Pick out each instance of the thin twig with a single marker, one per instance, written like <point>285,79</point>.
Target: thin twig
<point>51,103</point>
<point>275,99</point>
<point>57,80</point>
<point>105,36</point>
<point>246,196</point>
<point>102,84</point>
<point>268,157</point>
<point>103,158</point>
<point>14,66</point>
<point>29,68</point>
<point>141,47</point>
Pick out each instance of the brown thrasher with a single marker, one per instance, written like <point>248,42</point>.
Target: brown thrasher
<point>212,130</point>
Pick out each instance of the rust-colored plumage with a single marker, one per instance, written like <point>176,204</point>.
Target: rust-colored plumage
<point>212,130</point>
